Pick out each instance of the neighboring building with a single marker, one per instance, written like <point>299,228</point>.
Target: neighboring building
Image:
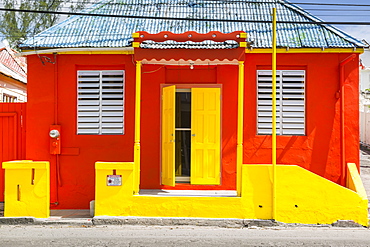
<point>190,109</point>
<point>13,76</point>
<point>365,99</point>
<point>365,71</point>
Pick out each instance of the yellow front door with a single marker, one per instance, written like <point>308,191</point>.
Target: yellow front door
<point>205,136</point>
<point>168,136</point>
<point>205,152</point>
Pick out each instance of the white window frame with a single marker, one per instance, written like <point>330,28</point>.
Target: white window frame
<point>100,102</point>
<point>290,102</point>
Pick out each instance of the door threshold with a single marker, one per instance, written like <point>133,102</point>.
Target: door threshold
<point>196,193</point>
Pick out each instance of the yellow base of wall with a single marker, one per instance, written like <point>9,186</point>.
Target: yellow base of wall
<point>302,197</point>
<point>27,189</point>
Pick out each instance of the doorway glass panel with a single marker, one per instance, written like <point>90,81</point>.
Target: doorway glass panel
<point>182,136</point>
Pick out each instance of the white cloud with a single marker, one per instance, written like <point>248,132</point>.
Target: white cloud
<point>359,32</point>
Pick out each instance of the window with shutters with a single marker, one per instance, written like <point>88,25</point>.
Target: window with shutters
<point>290,102</point>
<point>100,102</point>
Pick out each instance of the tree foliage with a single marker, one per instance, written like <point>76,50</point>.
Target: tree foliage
<point>18,26</point>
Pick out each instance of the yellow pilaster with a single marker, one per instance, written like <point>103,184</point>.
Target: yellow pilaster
<point>137,129</point>
<point>239,148</point>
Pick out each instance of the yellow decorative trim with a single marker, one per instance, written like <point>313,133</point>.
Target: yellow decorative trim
<point>136,35</point>
<point>306,50</point>
<point>243,44</point>
<point>136,44</point>
<point>243,35</point>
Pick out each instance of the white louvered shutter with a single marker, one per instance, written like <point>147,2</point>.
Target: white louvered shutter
<point>100,106</point>
<point>290,102</point>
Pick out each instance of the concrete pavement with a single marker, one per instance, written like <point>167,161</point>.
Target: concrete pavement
<point>115,235</point>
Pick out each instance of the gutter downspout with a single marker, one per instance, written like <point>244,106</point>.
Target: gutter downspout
<point>57,158</point>
<point>342,131</point>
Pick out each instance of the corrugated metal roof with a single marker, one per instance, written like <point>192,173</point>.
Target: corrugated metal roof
<point>12,66</point>
<point>97,31</point>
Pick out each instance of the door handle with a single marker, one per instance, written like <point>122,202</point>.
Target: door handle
<point>192,134</point>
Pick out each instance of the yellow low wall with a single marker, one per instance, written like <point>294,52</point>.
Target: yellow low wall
<point>27,189</point>
<point>302,197</point>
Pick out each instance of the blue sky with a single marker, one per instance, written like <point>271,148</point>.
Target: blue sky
<point>343,14</point>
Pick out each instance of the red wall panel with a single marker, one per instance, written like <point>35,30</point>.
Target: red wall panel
<point>12,136</point>
<point>319,150</point>
<point>52,100</point>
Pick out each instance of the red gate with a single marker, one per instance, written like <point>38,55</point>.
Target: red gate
<point>12,136</point>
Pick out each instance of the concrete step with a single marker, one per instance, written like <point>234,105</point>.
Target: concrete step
<point>197,193</point>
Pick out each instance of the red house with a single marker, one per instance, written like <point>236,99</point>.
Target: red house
<point>201,90</point>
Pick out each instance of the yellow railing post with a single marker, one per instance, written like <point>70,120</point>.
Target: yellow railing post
<point>137,129</point>
<point>239,149</point>
<point>274,114</point>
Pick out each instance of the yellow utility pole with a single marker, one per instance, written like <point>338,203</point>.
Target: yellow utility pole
<point>137,128</point>
<point>239,158</point>
<point>274,114</point>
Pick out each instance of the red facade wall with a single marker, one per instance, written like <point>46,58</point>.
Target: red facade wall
<point>52,100</point>
<point>319,151</point>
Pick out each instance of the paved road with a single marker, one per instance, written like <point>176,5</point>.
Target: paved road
<point>180,236</point>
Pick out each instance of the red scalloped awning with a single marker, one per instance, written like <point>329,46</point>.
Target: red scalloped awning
<point>189,54</point>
